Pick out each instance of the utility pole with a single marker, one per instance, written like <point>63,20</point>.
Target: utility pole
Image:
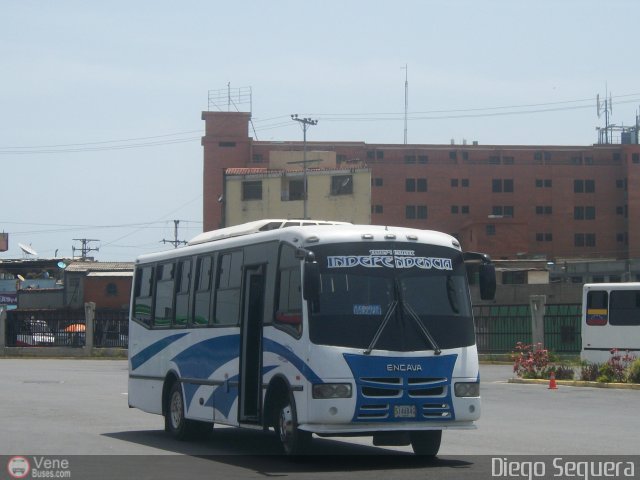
<point>406,99</point>
<point>305,122</point>
<point>175,242</point>
<point>85,248</point>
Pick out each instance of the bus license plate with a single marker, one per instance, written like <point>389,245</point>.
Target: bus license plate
<point>404,411</point>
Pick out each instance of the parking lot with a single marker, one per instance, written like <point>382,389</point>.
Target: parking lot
<point>79,407</point>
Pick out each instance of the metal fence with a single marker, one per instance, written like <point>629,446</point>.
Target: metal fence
<point>65,328</point>
<point>500,327</point>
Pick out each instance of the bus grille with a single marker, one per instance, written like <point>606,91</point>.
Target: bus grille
<point>378,396</point>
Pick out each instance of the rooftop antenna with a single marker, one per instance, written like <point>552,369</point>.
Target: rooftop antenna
<point>406,98</point>
<point>607,110</point>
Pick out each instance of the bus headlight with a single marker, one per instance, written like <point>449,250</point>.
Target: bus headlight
<point>332,390</point>
<point>467,389</point>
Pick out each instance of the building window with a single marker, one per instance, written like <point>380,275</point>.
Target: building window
<point>410,185</point>
<point>421,184</point>
<point>378,182</point>
<point>584,240</point>
<point>490,230</point>
<point>112,290</point>
<point>499,185</point>
<point>494,160</point>
<point>454,209</point>
<point>453,155</point>
<point>379,154</point>
<point>377,209</point>
<point>296,190</point>
<point>635,157</point>
<point>340,158</point>
<point>584,186</point>
<point>464,182</point>
<point>464,209</point>
<point>252,190</point>
<point>465,155</point>
<point>415,211</point>
<point>514,278</point>
<point>371,154</point>
<point>257,158</point>
<point>226,144</point>
<point>342,185</point>
<point>410,212</point>
<point>537,156</point>
<point>544,237</point>
<point>543,210</point>
<point>616,156</point>
<point>454,182</point>
<point>423,159</point>
<point>508,160</point>
<point>620,210</point>
<point>409,159</point>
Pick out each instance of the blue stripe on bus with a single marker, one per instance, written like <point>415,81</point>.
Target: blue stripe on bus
<point>278,349</point>
<point>146,353</point>
<point>202,359</point>
<point>223,396</point>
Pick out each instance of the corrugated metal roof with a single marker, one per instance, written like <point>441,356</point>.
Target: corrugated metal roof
<point>111,274</point>
<point>99,266</point>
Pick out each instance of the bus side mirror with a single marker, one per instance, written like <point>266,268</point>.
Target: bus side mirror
<point>311,286</point>
<point>487,277</point>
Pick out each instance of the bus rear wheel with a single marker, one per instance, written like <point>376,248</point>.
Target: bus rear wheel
<point>294,441</point>
<point>426,442</point>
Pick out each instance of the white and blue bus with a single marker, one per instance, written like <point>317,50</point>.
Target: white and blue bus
<point>610,320</point>
<point>333,330</point>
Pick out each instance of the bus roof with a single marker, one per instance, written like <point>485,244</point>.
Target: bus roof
<point>304,236</point>
<point>612,286</point>
<point>255,227</point>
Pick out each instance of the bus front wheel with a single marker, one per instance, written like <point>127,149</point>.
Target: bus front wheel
<point>294,441</point>
<point>426,442</point>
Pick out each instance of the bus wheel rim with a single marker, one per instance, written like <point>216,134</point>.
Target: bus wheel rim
<point>176,410</point>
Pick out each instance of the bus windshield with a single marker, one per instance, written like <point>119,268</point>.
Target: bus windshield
<point>392,296</point>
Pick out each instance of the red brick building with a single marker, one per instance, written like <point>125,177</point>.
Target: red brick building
<point>510,201</point>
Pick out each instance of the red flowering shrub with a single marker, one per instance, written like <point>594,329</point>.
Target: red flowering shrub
<point>530,361</point>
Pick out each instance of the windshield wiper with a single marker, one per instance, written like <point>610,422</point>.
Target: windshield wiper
<point>387,316</point>
<point>423,329</point>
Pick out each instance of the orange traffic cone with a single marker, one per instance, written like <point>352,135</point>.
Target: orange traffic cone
<point>552,381</point>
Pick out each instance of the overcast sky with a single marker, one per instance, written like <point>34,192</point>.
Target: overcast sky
<point>100,102</point>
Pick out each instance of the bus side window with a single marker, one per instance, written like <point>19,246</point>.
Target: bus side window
<point>165,281</point>
<point>288,314</point>
<point>227,305</point>
<point>143,294</point>
<point>624,307</point>
<point>182,292</point>
<point>597,307</point>
<point>202,298</point>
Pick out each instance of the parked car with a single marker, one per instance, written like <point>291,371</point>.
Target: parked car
<point>34,333</point>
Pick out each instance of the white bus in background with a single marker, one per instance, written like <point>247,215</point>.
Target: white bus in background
<point>333,330</point>
<point>610,320</point>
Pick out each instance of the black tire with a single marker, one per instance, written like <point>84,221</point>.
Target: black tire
<point>294,441</point>
<point>426,442</point>
<point>175,422</point>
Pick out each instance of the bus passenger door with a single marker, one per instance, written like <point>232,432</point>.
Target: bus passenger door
<point>250,393</point>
